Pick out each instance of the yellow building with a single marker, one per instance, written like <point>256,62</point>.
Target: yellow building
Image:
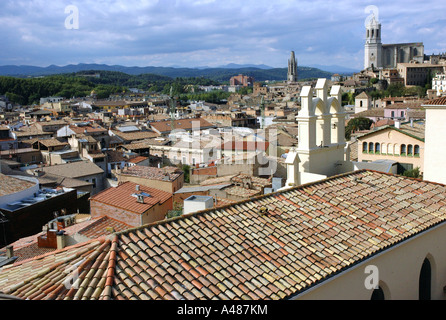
<point>401,143</point>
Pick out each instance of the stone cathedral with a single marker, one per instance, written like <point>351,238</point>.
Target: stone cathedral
<point>380,55</point>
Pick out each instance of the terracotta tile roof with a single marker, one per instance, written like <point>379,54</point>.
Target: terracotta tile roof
<point>217,181</point>
<point>103,226</point>
<point>9,184</point>
<point>137,159</point>
<point>96,155</point>
<point>241,192</point>
<point>115,156</point>
<point>31,130</point>
<point>185,124</point>
<point>256,181</point>
<point>221,202</point>
<point>374,112</point>
<point>383,122</point>
<point>74,169</point>
<point>89,129</point>
<point>53,142</point>
<point>405,105</point>
<point>417,130</point>
<point>134,136</point>
<point>170,173</point>
<point>270,247</point>
<point>436,102</point>
<point>122,197</point>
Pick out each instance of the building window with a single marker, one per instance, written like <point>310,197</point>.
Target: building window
<point>409,150</point>
<point>94,183</point>
<point>393,114</point>
<point>403,149</point>
<point>364,147</point>
<point>371,147</point>
<point>424,290</point>
<point>416,150</point>
<point>378,294</point>
<point>377,148</point>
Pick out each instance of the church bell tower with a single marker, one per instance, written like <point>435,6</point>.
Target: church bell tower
<point>373,45</point>
<point>292,68</point>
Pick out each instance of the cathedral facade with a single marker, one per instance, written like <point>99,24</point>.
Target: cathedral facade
<point>378,55</point>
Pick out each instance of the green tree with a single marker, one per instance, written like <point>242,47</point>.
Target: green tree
<point>245,90</point>
<point>348,98</point>
<point>356,124</point>
<point>414,173</point>
<point>186,170</point>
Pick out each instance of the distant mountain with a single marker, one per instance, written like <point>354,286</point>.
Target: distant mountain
<point>240,66</point>
<point>335,69</point>
<point>222,74</point>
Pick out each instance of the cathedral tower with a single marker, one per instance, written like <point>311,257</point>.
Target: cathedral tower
<point>292,68</point>
<point>373,45</point>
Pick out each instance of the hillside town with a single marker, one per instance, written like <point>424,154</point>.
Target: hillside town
<point>264,195</point>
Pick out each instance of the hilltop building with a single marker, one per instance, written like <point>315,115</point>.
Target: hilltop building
<point>378,55</point>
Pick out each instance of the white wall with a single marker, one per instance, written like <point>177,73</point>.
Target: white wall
<point>435,152</point>
<point>197,205</point>
<point>398,270</point>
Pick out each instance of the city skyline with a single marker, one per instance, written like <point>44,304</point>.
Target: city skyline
<point>208,32</point>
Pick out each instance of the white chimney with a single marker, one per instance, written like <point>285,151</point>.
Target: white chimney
<point>397,124</point>
<point>140,198</point>
<point>137,187</point>
<point>60,238</point>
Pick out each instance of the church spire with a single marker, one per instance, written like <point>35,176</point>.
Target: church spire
<point>292,68</point>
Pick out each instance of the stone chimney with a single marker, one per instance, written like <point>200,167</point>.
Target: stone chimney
<point>9,252</point>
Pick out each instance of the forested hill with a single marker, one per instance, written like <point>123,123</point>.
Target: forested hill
<point>216,74</point>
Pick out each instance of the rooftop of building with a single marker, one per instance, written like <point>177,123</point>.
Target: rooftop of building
<point>153,173</point>
<point>275,246</point>
<point>13,184</point>
<point>436,102</point>
<point>124,196</point>
<point>184,124</point>
<point>414,129</point>
<point>74,169</point>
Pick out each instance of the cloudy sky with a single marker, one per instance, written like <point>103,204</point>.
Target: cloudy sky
<point>193,33</point>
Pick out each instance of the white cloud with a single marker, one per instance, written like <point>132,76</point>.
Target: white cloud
<point>207,32</point>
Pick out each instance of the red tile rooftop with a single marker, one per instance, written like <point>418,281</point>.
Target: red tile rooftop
<point>169,173</point>
<point>122,197</point>
<point>436,102</point>
<point>270,247</point>
<point>10,184</point>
